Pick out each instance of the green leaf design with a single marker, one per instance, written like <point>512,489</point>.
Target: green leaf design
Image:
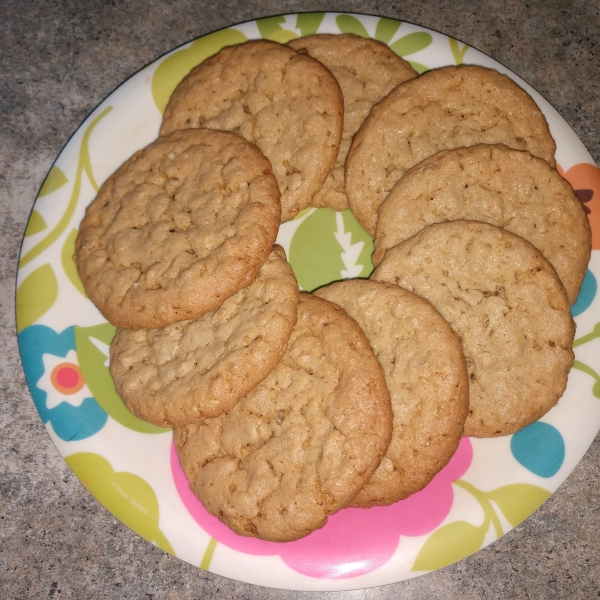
<point>303,213</point>
<point>577,364</point>
<point>92,351</point>
<point>127,496</point>
<point>175,67</point>
<point>269,26</point>
<point>386,29</point>
<point>54,180</point>
<point>35,224</point>
<point>411,43</point>
<point>449,544</point>
<point>66,257</point>
<point>328,246</point>
<point>519,500</point>
<point>309,23</point>
<point>418,67</point>
<point>283,36</point>
<point>360,235</point>
<point>350,24</point>
<point>35,296</point>
<point>458,53</point>
<point>315,254</point>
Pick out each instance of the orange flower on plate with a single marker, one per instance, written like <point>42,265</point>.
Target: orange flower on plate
<point>585,179</point>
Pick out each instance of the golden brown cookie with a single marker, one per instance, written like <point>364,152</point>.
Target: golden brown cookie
<point>180,227</point>
<point>507,188</point>
<point>366,70</point>
<point>192,370</point>
<point>301,445</point>
<point>426,376</point>
<point>445,108</point>
<point>288,104</point>
<point>509,308</point>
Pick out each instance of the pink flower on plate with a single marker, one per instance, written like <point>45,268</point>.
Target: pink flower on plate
<point>354,541</point>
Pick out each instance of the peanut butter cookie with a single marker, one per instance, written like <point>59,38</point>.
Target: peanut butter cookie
<point>507,188</point>
<point>181,226</point>
<point>302,444</point>
<point>445,108</point>
<point>286,103</point>
<point>426,376</point>
<point>192,370</point>
<point>506,303</point>
<point>366,70</point>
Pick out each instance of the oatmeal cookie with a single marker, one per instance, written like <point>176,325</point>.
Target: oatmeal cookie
<point>507,188</point>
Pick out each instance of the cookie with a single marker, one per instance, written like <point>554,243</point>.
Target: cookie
<point>509,308</point>
<point>301,445</point>
<point>426,376</point>
<point>287,103</point>
<point>366,70</point>
<point>442,109</point>
<point>180,227</point>
<point>196,369</point>
<point>507,188</point>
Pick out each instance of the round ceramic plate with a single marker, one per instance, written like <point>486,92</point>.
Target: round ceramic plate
<point>130,466</point>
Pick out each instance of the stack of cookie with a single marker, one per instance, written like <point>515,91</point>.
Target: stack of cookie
<point>289,406</point>
<point>280,406</point>
<point>453,174</point>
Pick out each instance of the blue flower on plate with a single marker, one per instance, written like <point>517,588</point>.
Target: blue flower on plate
<point>589,289</point>
<point>540,448</point>
<point>56,383</point>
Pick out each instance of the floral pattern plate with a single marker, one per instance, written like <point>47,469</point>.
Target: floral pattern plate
<point>130,466</point>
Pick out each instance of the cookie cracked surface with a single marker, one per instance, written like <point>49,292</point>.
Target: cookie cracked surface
<point>192,370</point>
<point>509,308</point>
<point>445,108</point>
<point>286,103</point>
<point>507,188</point>
<point>182,225</point>
<point>427,379</point>
<point>367,70</point>
<point>301,445</point>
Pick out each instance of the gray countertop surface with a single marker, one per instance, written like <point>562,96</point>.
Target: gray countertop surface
<point>58,60</point>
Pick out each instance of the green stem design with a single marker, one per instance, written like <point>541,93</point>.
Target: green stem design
<point>577,364</point>
<point>457,540</point>
<point>595,333</point>
<point>486,505</point>
<point>208,554</point>
<point>589,371</point>
<point>583,367</point>
<point>84,164</point>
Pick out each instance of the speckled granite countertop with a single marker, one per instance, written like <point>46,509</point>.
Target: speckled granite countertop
<point>57,61</point>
